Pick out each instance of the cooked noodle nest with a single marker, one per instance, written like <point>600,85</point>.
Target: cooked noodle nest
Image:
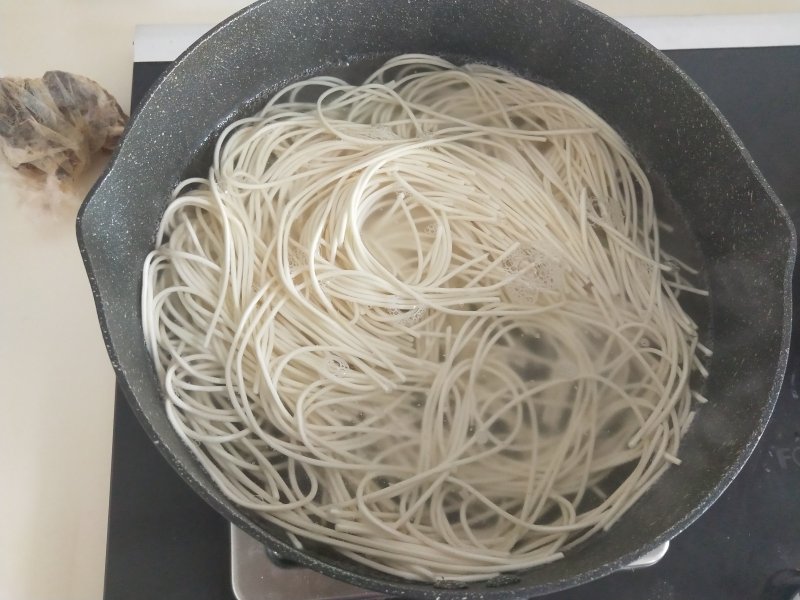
<point>421,320</point>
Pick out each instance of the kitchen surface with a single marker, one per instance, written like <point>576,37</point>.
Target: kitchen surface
<point>57,389</point>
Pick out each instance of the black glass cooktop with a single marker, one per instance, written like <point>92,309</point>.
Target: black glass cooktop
<point>166,543</point>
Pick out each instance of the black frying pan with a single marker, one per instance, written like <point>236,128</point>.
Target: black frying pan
<point>726,218</point>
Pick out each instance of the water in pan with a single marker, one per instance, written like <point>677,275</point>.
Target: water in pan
<point>675,239</point>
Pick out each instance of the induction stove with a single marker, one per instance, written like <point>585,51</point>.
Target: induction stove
<point>165,542</point>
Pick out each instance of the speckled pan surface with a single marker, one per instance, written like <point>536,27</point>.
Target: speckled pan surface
<point>726,218</point>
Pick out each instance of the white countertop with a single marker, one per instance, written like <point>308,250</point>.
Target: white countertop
<point>56,384</point>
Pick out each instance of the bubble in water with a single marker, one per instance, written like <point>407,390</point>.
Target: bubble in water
<point>338,366</point>
<point>394,305</point>
<point>408,316</point>
<point>380,132</point>
<point>644,342</point>
<point>414,316</point>
<point>432,228</point>
<point>503,579</point>
<point>449,584</point>
<point>297,259</point>
<point>521,293</point>
<point>535,271</point>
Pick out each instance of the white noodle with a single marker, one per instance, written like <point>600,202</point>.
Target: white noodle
<point>422,319</point>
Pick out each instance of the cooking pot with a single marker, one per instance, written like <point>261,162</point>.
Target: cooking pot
<point>725,219</point>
